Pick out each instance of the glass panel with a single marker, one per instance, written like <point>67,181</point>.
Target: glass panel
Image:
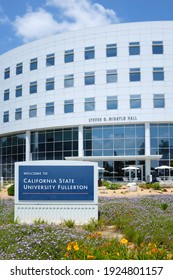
<point>87,133</point>
<point>68,81</point>
<point>163,130</point>
<point>50,59</point>
<point>135,75</point>
<point>118,143</point>
<point>89,78</point>
<point>67,135</point>
<point>111,76</point>
<point>58,135</point>
<point>153,130</point>
<point>97,132</point>
<point>108,132</point>
<point>134,48</point>
<point>89,104</point>
<point>89,53</point>
<point>50,84</point>
<point>33,64</point>
<point>157,47</point>
<point>130,131</point>
<point>111,50</point>
<point>97,144</point>
<point>158,74</point>
<point>69,56</point>
<point>19,68</point>
<point>119,131</point>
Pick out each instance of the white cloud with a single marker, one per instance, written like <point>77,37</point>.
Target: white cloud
<point>3,18</point>
<point>84,12</point>
<point>68,15</point>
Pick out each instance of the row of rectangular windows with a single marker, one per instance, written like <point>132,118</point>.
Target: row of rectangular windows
<point>89,105</point>
<point>89,53</point>
<point>89,79</point>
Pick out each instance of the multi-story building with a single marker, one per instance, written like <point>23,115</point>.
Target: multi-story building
<point>100,94</point>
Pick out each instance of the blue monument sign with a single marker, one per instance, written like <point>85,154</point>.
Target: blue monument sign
<point>55,191</point>
<point>56,182</point>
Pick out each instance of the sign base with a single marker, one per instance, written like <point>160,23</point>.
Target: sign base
<point>80,214</point>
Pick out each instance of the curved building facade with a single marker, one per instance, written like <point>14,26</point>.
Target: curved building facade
<point>100,94</point>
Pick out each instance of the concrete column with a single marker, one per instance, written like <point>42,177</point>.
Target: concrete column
<point>147,150</point>
<point>28,141</point>
<point>147,139</point>
<point>80,141</point>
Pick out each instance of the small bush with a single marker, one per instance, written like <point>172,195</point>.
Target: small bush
<point>69,223</point>
<point>145,185</point>
<point>10,190</point>
<point>164,206</point>
<point>156,186</point>
<point>92,225</point>
<point>113,186</point>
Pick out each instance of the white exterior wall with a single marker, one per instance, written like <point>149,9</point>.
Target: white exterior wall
<point>121,34</point>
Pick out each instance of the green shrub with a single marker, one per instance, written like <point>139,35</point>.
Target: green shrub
<point>92,225</point>
<point>145,185</point>
<point>10,190</point>
<point>164,206</point>
<point>113,186</point>
<point>156,186</point>
<point>106,183</point>
<point>69,223</point>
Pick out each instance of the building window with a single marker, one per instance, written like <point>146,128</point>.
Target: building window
<point>157,47</point>
<point>33,64</point>
<point>6,116</point>
<point>19,68</point>
<point>111,50</point>
<point>33,87</point>
<point>54,144</point>
<point>159,101</point>
<point>33,111</point>
<point>6,94</point>
<point>18,114</point>
<point>49,84</point>
<point>50,108</point>
<point>112,102</point>
<point>68,81</point>
<point>89,78</point>
<point>69,56</point>
<point>135,75</point>
<point>135,101</point>
<point>89,53</point>
<point>90,104</point>
<point>110,140</point>
<point>158,74</point>
<point>50,59</point>
<point>111,76</point>
<point>7,73</point>
<point>19,91</point>
<point>68,106</point>
<point>12,149</point>
<point>134,48</point>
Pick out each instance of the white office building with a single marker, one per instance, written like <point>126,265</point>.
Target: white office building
<point>101,94</point>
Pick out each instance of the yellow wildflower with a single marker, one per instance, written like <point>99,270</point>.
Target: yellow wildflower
<point>90,257</point>
<point>69,247</point>
<point>76,247</point>
<point>124,241</point>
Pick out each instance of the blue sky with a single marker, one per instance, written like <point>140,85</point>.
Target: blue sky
<point>22,21</point>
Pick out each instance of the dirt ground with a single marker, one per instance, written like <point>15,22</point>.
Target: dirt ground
<point>122,192</point>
